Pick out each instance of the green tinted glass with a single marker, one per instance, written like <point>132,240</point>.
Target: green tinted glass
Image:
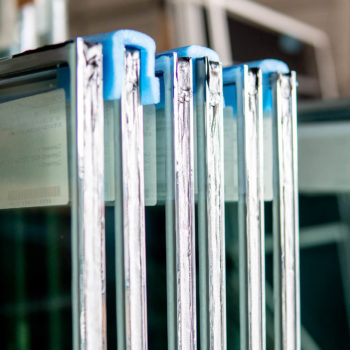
<point>52,198</point>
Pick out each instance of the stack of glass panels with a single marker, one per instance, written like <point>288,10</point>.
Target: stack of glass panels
<point>178,171</point>
<point>279,103</point>
<point>261,165</point>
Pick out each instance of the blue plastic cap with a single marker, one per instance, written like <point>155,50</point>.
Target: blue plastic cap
<point>195,51</point>
<point>114,44</point>
<point>269,66</point>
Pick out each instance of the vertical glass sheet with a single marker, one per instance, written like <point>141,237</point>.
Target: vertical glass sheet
<point>248,164</point>
<point>51,199</point>
<point>210,210</point>
<point>130,91</point>
<point>285,214</point>
<point>133,202</point>
<point>243,112</point>
<point>125,211</point>
<point>283,305</point>
<point>175,162</point>
<point>230,110</point>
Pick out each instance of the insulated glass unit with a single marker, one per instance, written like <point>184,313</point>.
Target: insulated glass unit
<point>51,199</point>
<point>209,182</point>
<point>279,85</point>
<point>130,92</point>
<point>244,183</point>
<point>176,191</point>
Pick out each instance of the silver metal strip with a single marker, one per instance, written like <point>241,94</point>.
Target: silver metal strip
<point>90,200</point>
<point>251,209</point>
<point>286,221</point>
<point>184,206</point>
<point>215,207</point>
<point>133,211</point>
<point>211,227</point>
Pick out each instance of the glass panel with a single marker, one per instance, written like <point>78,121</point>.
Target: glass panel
<point>279,110</point>
<point>231,209</point>
<point>125,211</point>
<point>52,199</point>
<point>210,210</point>
<point>285,215</point>
<point>244,161</point>
<point>130,91</point>
<point>175,162</point>
<point>161,292</point>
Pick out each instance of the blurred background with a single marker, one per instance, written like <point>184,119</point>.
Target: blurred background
<point>311,35</point>
<point>313,38</point>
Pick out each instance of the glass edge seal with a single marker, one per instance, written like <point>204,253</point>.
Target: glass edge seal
<point>251,208</point>
<point>215,206</point>
<point>90,201</point>
<point>183,133</point>
<point>286,221</point>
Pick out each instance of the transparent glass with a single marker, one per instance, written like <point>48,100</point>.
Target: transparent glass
<point>210,220</point>
<point>231,216</point>
<point>114,208</point>
<point>35,216</point>
<point>130,186</point>
<point>248,182</point>
<point>173,242</point>
<point>43,198</point>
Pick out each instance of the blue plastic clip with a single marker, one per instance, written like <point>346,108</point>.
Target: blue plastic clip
<point>195,51</point>
<point>114,44</point>
<point>267,67</point>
